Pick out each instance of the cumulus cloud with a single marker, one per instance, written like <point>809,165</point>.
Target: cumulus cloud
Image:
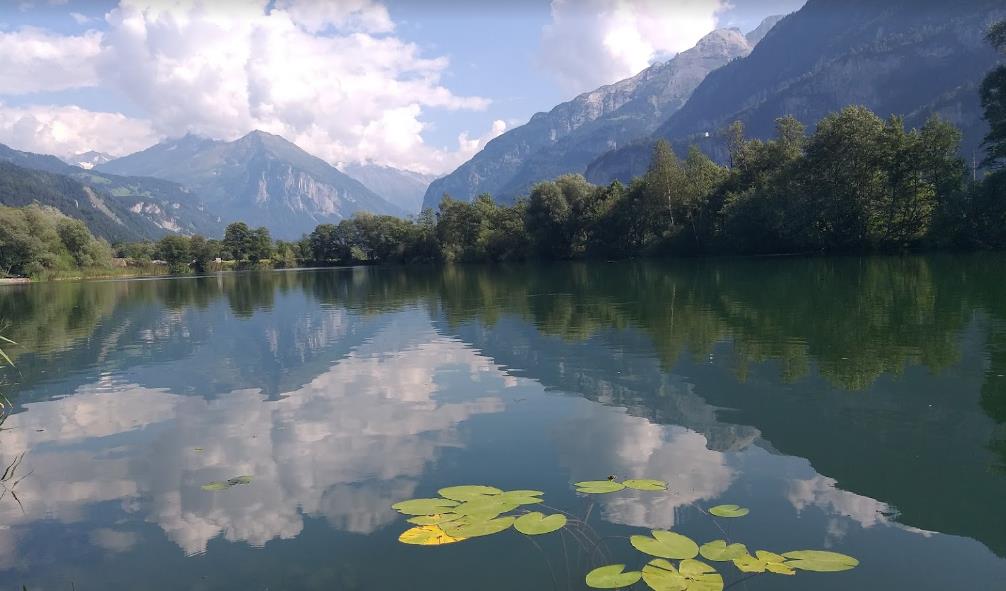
<point>469,145</point>
<point>590,43</point>
<point>68,130</point>
<point>33,60</point>
<point>330,76</point>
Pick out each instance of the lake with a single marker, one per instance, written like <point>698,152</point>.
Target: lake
<point>852,404</point>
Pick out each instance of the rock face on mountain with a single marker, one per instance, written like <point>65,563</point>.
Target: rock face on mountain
<point>124,208</point>
<point>90,159</point>
<point>261,179</point>
<point>907,57</point>
<point>402,188</point>
<point>570,136</point>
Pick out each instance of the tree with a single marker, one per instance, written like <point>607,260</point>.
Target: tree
<point>259,245</point>
<point>174,250</point>
<point>237,241</point>
<point>203,252</point>
<point>993,97</point>
<point>77,239</point>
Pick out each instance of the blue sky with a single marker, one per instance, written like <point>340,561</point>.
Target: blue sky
<point>411,83</point>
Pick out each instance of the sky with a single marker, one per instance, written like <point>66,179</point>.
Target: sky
<point>415,84</point>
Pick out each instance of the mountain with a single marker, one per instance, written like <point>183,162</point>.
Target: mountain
<point>261,179</point>
<point>153,207</point>
<point>755,36</point>
<point>402,188</point>
<point>908,57</point>
<point>105,216</point>
<point>570,136</point>
<point>90,159</point>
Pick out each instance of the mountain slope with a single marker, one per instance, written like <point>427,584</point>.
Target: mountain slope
<point>570,136</point>
<point>105,217</point>
<point>159,207</point>
<point>90,159</point>
<point>907,57</point>
<point>261,179</point>
<point>402,188</point>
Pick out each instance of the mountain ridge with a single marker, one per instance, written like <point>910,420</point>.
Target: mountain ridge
<point>260,178</point>
<point>161,207</point>
<point>910,58</point>
<point>569,136</point>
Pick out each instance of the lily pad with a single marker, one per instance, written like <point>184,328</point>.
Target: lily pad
<point>820,561</point>
<point>427,535</point>
<point>468,492</point>
<point>666,544</point>
<point>612,576</point>
<point>598,487</point>
<point>215,486</point>
<point>729,511</point>
<point>644,484</point>
<point>474,527</point>
<point>535,524</point>
<point>423,506</point>
<point>764,561</point>
<point>720,551</point>
<point>661,575</point>
<point>522,497</point>
<point>491,506</point>
<point>699,576</point>
<point>434,519</point>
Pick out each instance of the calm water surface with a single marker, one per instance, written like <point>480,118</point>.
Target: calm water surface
<point>853,404</point>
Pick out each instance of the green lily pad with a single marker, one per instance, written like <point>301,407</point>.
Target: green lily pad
<point>598,487</point>
<point>820,561</point>
<point>535,524</point>
<point>666,544</point>
<point>215,486</point>
<point>764,561</point>
<point>493,506</point>
<point>729,511</point>
<point>720,551</point>
<point>468,492</point>
<point>700,576</point>
<point>423,506</point>
<point>644,484</point>
<point>522,497</point>
<point>434,519</point>
<point>661,575</point>
<point>474,527</point>
<point>612,576</point>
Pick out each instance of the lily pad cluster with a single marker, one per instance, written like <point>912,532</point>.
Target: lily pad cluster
<point>691,574</point>
<point>600,487</point>
<point>471,511</point>
<point>464,512</point>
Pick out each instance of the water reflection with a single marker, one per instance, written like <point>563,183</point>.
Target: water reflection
<point>345,445</point>
<point>833,392</point>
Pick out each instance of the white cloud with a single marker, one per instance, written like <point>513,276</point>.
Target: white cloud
<point>470,146</point>
<point>318,15</point>
<point>344,95</point>
<point>329,76</point>
<point>590,43</point>
<point>33,60</point>
<point>81,19</point>
<point>69,130</point>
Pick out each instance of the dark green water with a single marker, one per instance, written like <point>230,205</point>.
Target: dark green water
<point>857,405</point>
